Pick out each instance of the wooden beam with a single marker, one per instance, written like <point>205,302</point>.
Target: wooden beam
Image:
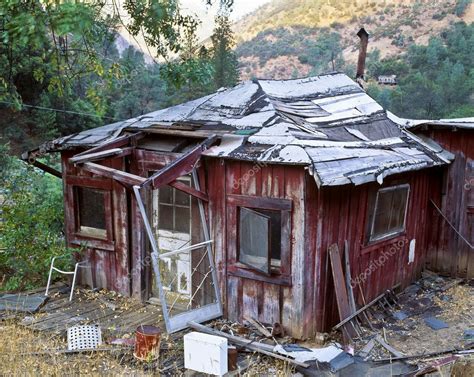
<point>181,166</point>
<point>340,286</point>
<point>197,134</point>
<point>189,190</point>
<point>119,142</point>
<point>47,169</point>
<point>89,157</point>
<point>118,175</point>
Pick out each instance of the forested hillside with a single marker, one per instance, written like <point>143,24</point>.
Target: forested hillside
<point>427,44</point>
<point>61,71</point>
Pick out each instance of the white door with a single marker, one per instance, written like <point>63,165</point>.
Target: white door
<point>172,227</point>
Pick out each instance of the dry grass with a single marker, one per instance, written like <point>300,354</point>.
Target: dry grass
<point>24,352</point>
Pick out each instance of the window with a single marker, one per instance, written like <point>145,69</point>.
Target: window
<point>389,213</point>
<point>259,247</point>
<point>174,208</point>
<point>260,239</point>
<point>91,217</point>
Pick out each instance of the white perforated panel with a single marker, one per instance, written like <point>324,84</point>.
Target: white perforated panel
<point>83,337</point>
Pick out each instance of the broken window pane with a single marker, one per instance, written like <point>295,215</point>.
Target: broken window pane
<point>166,195</point>
<point>91,211</point>
<point>165,217</point>
<point>182,220</point>
<point>181,198</point>
<point>389,212</point>
<point>174,210</point>
<point>254,239</point>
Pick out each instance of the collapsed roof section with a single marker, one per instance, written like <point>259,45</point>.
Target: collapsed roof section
<point>327,123</point>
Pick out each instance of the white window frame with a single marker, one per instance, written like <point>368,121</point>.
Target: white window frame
<point>373,238</point>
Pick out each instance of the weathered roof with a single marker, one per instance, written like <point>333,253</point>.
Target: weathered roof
<point>415,124</point>
<point>325,122</point>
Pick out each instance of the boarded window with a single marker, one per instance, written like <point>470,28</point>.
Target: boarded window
<point>91,211</point>
<point>260,239</point>
<point>389,212</point>
<point>174,208</point>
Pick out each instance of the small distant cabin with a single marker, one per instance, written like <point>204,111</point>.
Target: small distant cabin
<point>387,79</point>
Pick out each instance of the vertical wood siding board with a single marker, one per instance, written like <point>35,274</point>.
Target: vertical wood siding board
<point>337,229</point>
<point>217,221</point>
<point>421,247</point>
<point>68,192</point>
<point>250,298</point>
<point>453,208</point>
<point>267,181</point>
<point>319,265</point>
<point>404,271</point>
<point>332,215</point>
<point>438,238</point>
<point>234,291</point>
<point>360,215</point>
<point>464,194</point>
<point>326,279</point>
<point>442,244</point>
<point>278,181</point>
<point>351,235</point>
<point>271,304</point>
<point>233,302</point>
<point>136,242</point>
<point>295,190</point>
<point>120,222</point>
<point>311,213</point>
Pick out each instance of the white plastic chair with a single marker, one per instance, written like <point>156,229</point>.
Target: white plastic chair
<point>76,267</point>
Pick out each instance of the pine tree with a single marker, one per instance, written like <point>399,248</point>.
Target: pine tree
<point>226,72</point>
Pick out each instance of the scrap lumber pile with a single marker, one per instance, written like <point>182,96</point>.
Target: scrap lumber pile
<point>428,326</point>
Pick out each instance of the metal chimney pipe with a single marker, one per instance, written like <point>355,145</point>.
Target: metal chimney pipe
<point>364,41</point>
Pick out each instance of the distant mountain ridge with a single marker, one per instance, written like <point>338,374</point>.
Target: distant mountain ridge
<point>272,41</point>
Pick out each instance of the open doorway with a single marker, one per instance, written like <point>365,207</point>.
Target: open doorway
<point>172,226</point>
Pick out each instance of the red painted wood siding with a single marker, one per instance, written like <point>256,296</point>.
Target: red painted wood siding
<point>110,265</point>
<point>341,214</point>
<point>448,253</point>
<point>267,301</point>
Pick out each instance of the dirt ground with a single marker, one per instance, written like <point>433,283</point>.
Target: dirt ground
<point>24,352</point>
<point>454,306</point>
<point>27,352</point>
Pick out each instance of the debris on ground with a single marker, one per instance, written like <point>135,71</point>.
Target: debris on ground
<point>427,328</point>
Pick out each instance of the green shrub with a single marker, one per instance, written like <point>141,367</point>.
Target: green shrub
<point>31,230</point>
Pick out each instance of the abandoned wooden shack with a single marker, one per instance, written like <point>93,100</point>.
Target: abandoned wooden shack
<point>451,252</point>
<point>387,79</point>
<point>263,177</point>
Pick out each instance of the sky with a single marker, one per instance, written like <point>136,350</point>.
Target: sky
<point>196,7</point>
<point>206,14</point>
<point>240,8</point>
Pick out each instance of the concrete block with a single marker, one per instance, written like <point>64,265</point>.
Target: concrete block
<point>205,353</point>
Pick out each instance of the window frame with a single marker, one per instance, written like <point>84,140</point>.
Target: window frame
<point>373,239</point>
<point>268,269</point>
<point>81,237</point>
<point>174,206</point>
<point>239,269</point>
